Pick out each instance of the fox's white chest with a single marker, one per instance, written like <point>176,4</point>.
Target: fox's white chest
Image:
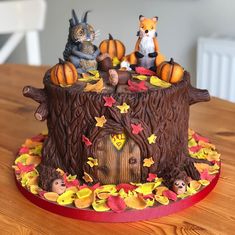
<point>146,45</point>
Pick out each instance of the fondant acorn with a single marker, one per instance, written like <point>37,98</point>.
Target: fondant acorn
<point>64,73</point>
<point>170,71</point>
<point>113,47</point>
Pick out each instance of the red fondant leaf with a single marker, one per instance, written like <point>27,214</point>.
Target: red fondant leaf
<point>195,149</point>
<point>38,138</point>
<point>24,168</point>
<point>23,150</point>
<point>95,186</point>
<point>116,203</point>
<point>86,140</point>
<point>71,183</point>
<point>199,137</point>
<point>151,177</point>
<point>149,196</point>
<point>125,187</point>
<point>136,129</point>
<point>170,195</point>
<point>41,194</point>
<point>144,71</point>
<point>83,186</point>
<point>109,101</point>
<point>206,176</point>
<point>134,86</point>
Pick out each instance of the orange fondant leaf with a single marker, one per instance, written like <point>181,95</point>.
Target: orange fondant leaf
<point>100,121</point>
<point>148,162</point>
<point>135,202</point>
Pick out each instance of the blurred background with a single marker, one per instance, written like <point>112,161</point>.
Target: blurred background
<point>181,23</point>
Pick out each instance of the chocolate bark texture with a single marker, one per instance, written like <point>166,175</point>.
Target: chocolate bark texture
<point>71,112</point>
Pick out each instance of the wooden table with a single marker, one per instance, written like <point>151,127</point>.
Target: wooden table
<point>213,215</point>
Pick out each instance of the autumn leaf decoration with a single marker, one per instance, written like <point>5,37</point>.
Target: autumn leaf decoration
<point>135,87</point>
<point>136,129</point>
<point>109,101</point>
<point>123,108</point>
<point>100,121</point>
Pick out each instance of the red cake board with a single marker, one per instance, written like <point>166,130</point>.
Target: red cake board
<point>126,216</point>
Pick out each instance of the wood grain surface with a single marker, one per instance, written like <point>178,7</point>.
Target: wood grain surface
<point>213,215</point>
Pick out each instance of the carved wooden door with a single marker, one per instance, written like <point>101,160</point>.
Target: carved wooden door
<point>118,166</point>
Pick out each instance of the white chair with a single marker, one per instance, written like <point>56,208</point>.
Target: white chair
<point>22,18</point>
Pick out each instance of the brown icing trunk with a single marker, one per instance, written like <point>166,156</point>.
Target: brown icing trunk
<point>165,112</point>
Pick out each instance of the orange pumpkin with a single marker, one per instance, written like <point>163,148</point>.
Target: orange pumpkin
<point>113,47</point>
<point>170,71</point>
<point>64,73</point>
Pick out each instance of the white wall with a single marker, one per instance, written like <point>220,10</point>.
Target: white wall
<point>181,22</point>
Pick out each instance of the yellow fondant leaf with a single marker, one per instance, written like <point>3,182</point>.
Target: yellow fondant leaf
<point>87,178</point>
<point>135,202</point>
<point>83,202</point>
<point>152,139</point>
<point>123,108</point>
<point>204,182</point>
<point>195,185</point>
<point>85,192</point>
<point>94,73</point>
<point>22,158</point>
<point>100,206</point>
<point>190,133</point>
<point>116,61</point>
<point>100,121</point>
<point>122,193</point>
<point>118,140</point>
<point>60,171</point>
<point>51,196</point>
<point>37,150</point>
<point>160,190</point>
<point>213,169</point>
<point>162,199</point>
<point>92,162</point>
<point>191,190</point>
<point>97,87</point>
<point>213,156</point>
<point>35,160</point>
<point>192,142</point>
<point>34,189</point>
<point>140,77</point>
<point>71,177</point>
<point>201,166</point>
<point>148,162</point>
<point>66,198</point>
<point>149,202</point>
<point>158,82</point>
<point>206,145</point>
<point>146,188</point>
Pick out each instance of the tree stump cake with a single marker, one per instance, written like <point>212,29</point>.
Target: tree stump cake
<point>71,116</point>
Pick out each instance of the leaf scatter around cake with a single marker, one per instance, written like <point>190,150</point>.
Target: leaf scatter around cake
<point>116,198</point>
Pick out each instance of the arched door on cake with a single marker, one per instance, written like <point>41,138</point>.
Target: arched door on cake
<point>119,160</point>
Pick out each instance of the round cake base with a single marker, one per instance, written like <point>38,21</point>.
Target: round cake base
<point>126,216</point>
<point>26,177</point>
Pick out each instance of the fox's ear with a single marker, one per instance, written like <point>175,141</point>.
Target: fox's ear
<point>141,18</point>
<point>155,18</point>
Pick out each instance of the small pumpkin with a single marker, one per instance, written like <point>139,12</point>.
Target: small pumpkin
<point>170,71</point>
<point>113,47</point>
<point>64,73</point>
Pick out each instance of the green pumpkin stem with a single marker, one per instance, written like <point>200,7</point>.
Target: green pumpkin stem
<point>110,37</point>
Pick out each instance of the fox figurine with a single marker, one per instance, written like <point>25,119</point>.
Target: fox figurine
<point>146,52</point>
